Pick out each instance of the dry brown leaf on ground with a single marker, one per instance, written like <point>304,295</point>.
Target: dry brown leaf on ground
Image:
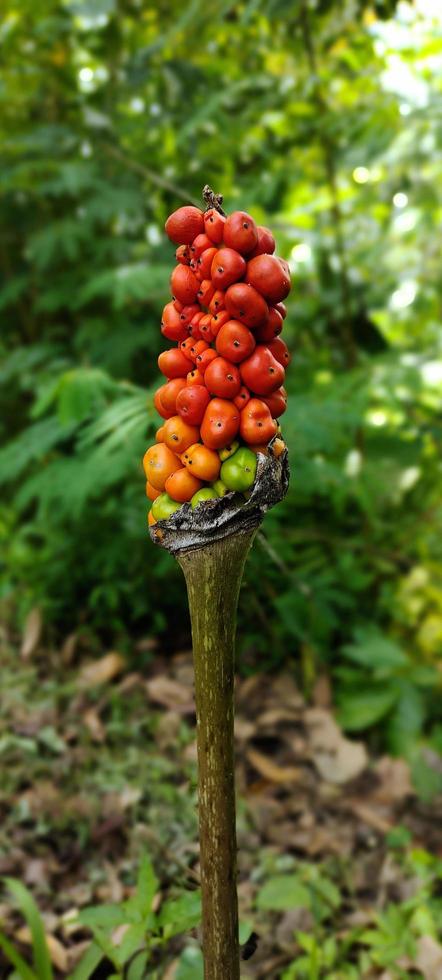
<point>57,952</point>
<point>93,723</point>
<point>429,957</point>
<point>337,759</point>
<point>395,780</point>
<point>31,634</point>
<point>101,671</point>
<point>173,695</point>
<point>270,770</point>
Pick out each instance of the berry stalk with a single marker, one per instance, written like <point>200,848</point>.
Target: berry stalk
<point>213,576</point>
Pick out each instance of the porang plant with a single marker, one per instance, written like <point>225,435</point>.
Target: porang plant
<point>218,464</point>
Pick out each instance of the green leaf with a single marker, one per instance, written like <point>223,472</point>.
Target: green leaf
<point>359,709</point>
<point>283,892</point>
<point>147,886</point>
<point>181,914</point>
<point>106,916</point>
<point>88,963</point>
<point>29,910</point>
<point>191,965</point>
<point>23,970</point>
<point>375,651</point>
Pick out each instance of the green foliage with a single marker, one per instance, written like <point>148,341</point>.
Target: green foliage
<point>324,121</point>
<point>141,931</point>
<point>41,966</point>
<point>392,937</point>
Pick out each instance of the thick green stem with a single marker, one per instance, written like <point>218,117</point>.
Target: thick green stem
<point>213,576</point>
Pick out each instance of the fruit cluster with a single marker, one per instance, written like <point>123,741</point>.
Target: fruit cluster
<point>224,378</point>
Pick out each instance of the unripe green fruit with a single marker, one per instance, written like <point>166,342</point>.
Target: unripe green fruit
<point>220,487</point>
<point>207,493</point>
<point>163,507</point>
<point>238,471</point>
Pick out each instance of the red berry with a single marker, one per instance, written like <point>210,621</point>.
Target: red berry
<point>280,350</point>
<point>276,402</point>
<point>192,402</point>
<point>220,423</point>
<point>222,378</point>
<point>240,232</point>
<point>235,341</point>
<point>204,359</point>
<point>270,276</point>
<point>184,225</point>
<point>171,324</point>
<point>257,425</point>
<point>214,225</point>
<point>244,303</point>
<point>184,284</point>
<point>266,243</point>
<point>271,328</point>
<point>217,322</point>
<point>205,292</point>
<point>204,263</point>
<point>227,267</point>
<point>173,363</point>
<point>182,254</point>
<point>199,245</point>
<point>242,397</point>
<point>261,372</point>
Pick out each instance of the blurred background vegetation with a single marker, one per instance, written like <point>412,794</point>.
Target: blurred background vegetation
<point>324,120</point>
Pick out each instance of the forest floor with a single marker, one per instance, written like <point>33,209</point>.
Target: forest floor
<point>340,864</point>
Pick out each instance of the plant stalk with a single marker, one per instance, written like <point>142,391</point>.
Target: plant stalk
<point>213,576</point>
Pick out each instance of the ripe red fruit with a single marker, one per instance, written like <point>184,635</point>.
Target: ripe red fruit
<point>220,423</point>
<point>282,309</point>
<point>222,378</point>
<point>184,225</point>
<point>277,402</point>
<point>217,302</point>
<point>199,245</point>
<point>235,341</point>
<point>242,398</point>
<point>171,325</point>
<point>182,254</point>
<point>194,329</point>
<point>218,321</point>
<point>257,425</point>
<point>227,267</point>
<point>205,292</point>
<point>214,225</point>
<point>270,276</point>
<point>203,360</point>
<point>280,350</point>
<point>204,263</point>
<point>192,402</point>
<point>240,232</point>
<point>188,312</point>
<point>266,243</point>
<point>184,284</point>
<point>178,306</point>
<point>205,326</point>
<point>185,347</point>
<point>161,409</point>
<point>198,347</point>
<point>261,372</point>
<point>244,303</point>
<point>173,363</point>
<point>271,328</point>
<point>194,377</point>
<point>165,397</point>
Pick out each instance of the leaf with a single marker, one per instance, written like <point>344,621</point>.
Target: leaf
<point>336,758</point>
<point>24,971</point>
<point>101,671</point>
<point>147,885</point>
<point>190,966</point>
<point>270,770</point>
<point>181,914</point>
<point>106,916</point>
<point>283,892</point>
<point>31,634</point>
<point>31,913</point>
<point>88,963</point>
<point>375,651</point>
<point>359,709</point>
